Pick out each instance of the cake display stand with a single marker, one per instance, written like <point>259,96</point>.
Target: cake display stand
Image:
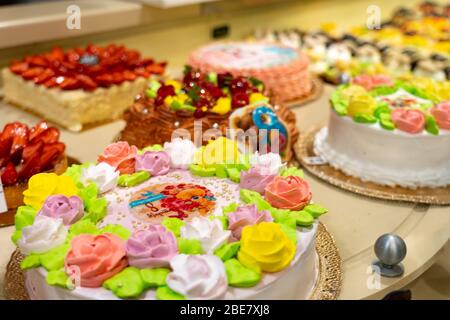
<point>304,150</point>
<point>316,92</point>
<point>327,287</point>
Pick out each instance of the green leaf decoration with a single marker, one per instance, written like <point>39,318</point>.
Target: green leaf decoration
<point>364,118</point>
<point>54,259</point>
<point>165,293</point>
<point>302,218</point>
<point>253,197</point>
<point>88,193</point>
<point>212,77</point>
<point>127,284</point>
<point>338,103</point>
<point>75,171</point>
<point>154,277</point>
<point>83,227</point>
<point>118,230</point>
<point>240,276</point>
<point>290,232</point>
<point>234,174</point>
<point>173,224</point>
<point>292,171</point>
<point>200,171</point>
<point>315,210</point>
<point>386,121</point>
<point>152,90</point>
<point>228,250</point>
<point>221,171</point>
<point>189,246</point>
<point>58,278</point>
<point>383,91</point>
<point>232,207</point>
<point>16,236</point>
<point>279,214</point>
<point>97,210</point>
<point>155,147</point>
<point>24,217</point>
<point>431,125</point>
<point>382,108</point>
<point>31,261</point>
<point>131,180</point>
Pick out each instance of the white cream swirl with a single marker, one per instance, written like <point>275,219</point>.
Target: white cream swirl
<point>210,233</point>
<point>102,174</point>
<point>198,276</point>
<point>271,161</point>
<point>181,152</point>
<point>43,235</point>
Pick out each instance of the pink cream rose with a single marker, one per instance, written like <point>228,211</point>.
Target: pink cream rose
<point>291,192</point>
<point>441,113</point>
<point>95,258</point>
<point>408,120</point>
<point>121,156</point>
<point>369,82</point>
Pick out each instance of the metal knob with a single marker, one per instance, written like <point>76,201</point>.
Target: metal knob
<point>390,249</point>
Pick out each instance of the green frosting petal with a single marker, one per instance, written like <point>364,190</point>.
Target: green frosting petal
<point>155,147</point>
<point>154,277</point>
<point>315,210</point>
<point>212,77</point>
<point>24,217</point>
<point>302,218</point>
<point>97,210</point>
<point>382,108</point>
<point>173,224</point>
<point>58,278</point>
<point>290,232</point>
<point>200,171</point>
<point>189,246</point>
<point>221,171</point>
<point>431,125</point>
<point>16,236</point>
<point>223,220</point>
<point>232,207</point>
<point>75,171</point>
<point>126,284</point>
<point>364,118</point>
<point>165,293</point>
<point>83,227</point>
<point>253,197</point>
<point>292,171</point>
<point>118,230</point>
<point>240,276</point>
<point>338,103</point>
<point>152,90</point>
<point>131,180</point>
<point>54,259</point>
<point>386,121</point>
<point>234,174</point>
<point>30,262</point>
<point>228,250</point>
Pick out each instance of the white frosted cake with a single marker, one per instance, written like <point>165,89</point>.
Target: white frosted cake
<point>172,222</point>
<point>79,86</point>
<point>389,133</point>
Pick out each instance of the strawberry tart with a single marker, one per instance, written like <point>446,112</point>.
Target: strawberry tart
<point>170,222</point>
<point>284,70</point>
<point>24,152</point>
<point>79,86</point>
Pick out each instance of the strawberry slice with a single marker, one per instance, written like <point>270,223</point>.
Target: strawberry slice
<point>19,67</point>
<point>44,76</point>
<point>50,153</point>
<point>50,83</point>
<point>5,151</point>
<point>50,135</point>
<point>128,75</point>
<point>9,176</point>
<point>38,129</point>
<point>32,73</point>
<point>38,61</point>
<point>57,54</point>
<point>31,149</point>
<point>30,167</point>
<point>19,134</point>
<point>69,84</point>
<point>86,82</point>
<point>141,72</point>
<point>104,80</point>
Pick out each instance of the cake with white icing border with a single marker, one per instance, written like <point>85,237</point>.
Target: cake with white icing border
<point>172,222</point>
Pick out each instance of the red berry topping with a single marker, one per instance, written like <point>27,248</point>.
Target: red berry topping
<point>199,113</point>
<point>239,84</point>
<point>9,175</point>
<point>239,100</point>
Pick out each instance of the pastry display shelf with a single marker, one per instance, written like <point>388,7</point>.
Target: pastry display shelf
<point>354,221</point>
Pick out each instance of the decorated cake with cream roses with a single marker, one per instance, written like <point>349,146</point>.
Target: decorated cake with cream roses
<point>391,132</point>
<point>170,222</point>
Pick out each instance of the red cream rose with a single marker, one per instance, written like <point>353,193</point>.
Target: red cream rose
<point>408,120</point>
<point>290,192</point>
<point>121,156</point>
<point>95,258</point>
<point>442,114</point>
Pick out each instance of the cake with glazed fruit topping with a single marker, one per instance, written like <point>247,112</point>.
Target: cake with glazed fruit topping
<point>214,101</point>
<point>394,133</point>
<point>79,86</point>
<point>284,70</point>
<point>170,222</point>
<point>24,152</point>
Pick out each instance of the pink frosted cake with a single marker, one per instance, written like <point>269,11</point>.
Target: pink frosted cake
<point>283,70</point>
<point>172,222</point>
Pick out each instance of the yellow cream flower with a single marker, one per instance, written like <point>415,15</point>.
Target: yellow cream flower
<point>265,247</point>
<point>361,104</point>
<point>223,106</point>
<point>257,97</point>
<point>42,185</point>
<point>219,151</point>
<point>173,83</point>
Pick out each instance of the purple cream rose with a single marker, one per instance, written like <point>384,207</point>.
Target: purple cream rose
<point>155,162</point>
<point>246,216</point>
<point>69,209</point>
<point>256,178</point>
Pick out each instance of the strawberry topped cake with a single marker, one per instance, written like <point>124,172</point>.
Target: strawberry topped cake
<point>394,133</point>
<point>170,222</point>
<point>283,69</point>
<point>26,151</point>
<point>79,86</point>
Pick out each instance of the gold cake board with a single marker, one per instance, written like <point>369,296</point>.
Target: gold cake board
<point>304,148</point>
<point>327,287</point>
<point>316,92</point>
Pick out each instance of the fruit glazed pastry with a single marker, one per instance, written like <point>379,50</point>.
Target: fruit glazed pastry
<point>213,101</point>
<point>79,86</point>
<point>26,151</point>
